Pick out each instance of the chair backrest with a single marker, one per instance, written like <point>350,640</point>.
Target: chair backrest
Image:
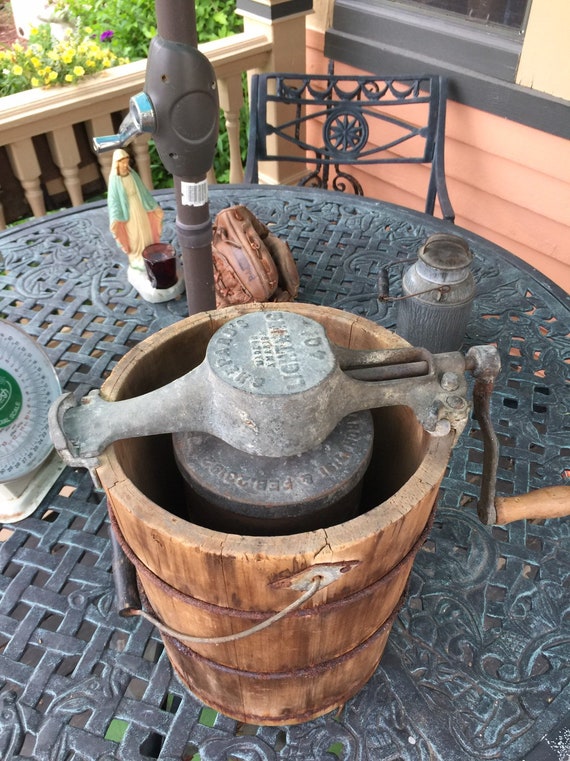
<point>329,122</point>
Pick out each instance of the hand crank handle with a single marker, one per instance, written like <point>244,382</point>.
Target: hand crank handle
<point>485,368</point>
<point>550,502</point>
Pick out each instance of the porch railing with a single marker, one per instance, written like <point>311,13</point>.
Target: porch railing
<point>37,122</point>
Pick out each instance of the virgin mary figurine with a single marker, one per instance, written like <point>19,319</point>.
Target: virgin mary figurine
<point>135,221</point>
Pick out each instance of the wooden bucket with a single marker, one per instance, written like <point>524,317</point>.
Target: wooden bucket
<point>209,584</point>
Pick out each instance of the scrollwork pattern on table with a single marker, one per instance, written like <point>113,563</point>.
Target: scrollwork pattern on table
<point>490,655</point>
<point>478,657</point>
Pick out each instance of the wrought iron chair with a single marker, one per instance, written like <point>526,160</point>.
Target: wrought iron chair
<point>330,122</point>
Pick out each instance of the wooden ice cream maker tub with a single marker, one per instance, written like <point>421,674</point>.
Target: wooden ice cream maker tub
<point>273,545</point>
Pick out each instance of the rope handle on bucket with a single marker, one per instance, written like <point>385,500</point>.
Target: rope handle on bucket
<point>189,639</point>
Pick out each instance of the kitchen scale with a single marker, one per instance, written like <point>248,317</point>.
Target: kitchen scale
<point>28,385</point>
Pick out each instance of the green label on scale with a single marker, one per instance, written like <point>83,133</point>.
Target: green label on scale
<point>10,399</point>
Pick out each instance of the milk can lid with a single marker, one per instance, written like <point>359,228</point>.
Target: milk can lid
<point>446,252</point>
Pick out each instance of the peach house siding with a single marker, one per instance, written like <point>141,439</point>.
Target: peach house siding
<point>508,182</point>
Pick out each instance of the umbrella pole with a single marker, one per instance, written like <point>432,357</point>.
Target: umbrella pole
<point>176,23</point>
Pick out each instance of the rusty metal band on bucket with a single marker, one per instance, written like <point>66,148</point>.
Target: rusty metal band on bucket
<point>183,598</point>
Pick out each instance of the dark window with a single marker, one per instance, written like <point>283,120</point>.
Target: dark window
<point>509,13</point>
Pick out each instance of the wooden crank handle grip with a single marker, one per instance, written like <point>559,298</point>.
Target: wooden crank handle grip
<point>550,502</point>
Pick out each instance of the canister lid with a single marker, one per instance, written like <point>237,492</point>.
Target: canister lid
<point>444,251</point>
<point>269,490</point>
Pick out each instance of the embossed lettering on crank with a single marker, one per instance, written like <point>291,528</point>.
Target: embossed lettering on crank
<point>274,349</point>
<point>224,357</point>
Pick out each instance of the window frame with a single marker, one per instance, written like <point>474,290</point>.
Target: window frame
<point>418,5</point>
<point>480,60</point>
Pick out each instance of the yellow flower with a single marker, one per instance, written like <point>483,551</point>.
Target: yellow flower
<point>37,64</point>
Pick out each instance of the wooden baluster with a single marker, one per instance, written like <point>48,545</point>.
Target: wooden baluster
<point>97,127</point>
<point>231,101</point>
<point>22,157</point>
<point>2,220</point>
<point>65,153</point>
<point>142,159</point>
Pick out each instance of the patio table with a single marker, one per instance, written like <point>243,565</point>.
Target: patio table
<point>478,661</point>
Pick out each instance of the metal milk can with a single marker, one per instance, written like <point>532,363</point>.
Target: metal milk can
<point>438,292</point>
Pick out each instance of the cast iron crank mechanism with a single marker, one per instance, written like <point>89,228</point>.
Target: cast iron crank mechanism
<point>271,384</point>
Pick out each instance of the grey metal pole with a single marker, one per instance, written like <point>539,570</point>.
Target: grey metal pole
<point>182,86</point>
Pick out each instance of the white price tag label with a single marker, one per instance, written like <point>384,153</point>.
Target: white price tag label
<point>194,193</point>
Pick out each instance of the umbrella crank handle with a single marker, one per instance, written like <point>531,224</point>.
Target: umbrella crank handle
<point>549,502</point>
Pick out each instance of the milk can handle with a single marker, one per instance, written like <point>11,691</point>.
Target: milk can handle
<point>384,287</point>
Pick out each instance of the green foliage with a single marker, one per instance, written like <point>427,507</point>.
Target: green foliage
<point>116,730</point>
<point>121,30</point>
<point>216,19</point>
<point>133,22</point>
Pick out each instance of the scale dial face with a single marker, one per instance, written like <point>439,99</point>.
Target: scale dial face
<point>28,386</point>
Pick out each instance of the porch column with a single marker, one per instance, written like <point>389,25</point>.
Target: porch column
<point>283,23</point>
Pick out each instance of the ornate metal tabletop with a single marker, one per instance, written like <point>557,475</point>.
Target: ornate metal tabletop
<point>478,662</point>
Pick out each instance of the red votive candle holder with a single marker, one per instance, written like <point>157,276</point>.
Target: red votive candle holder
<point>160,263</point>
